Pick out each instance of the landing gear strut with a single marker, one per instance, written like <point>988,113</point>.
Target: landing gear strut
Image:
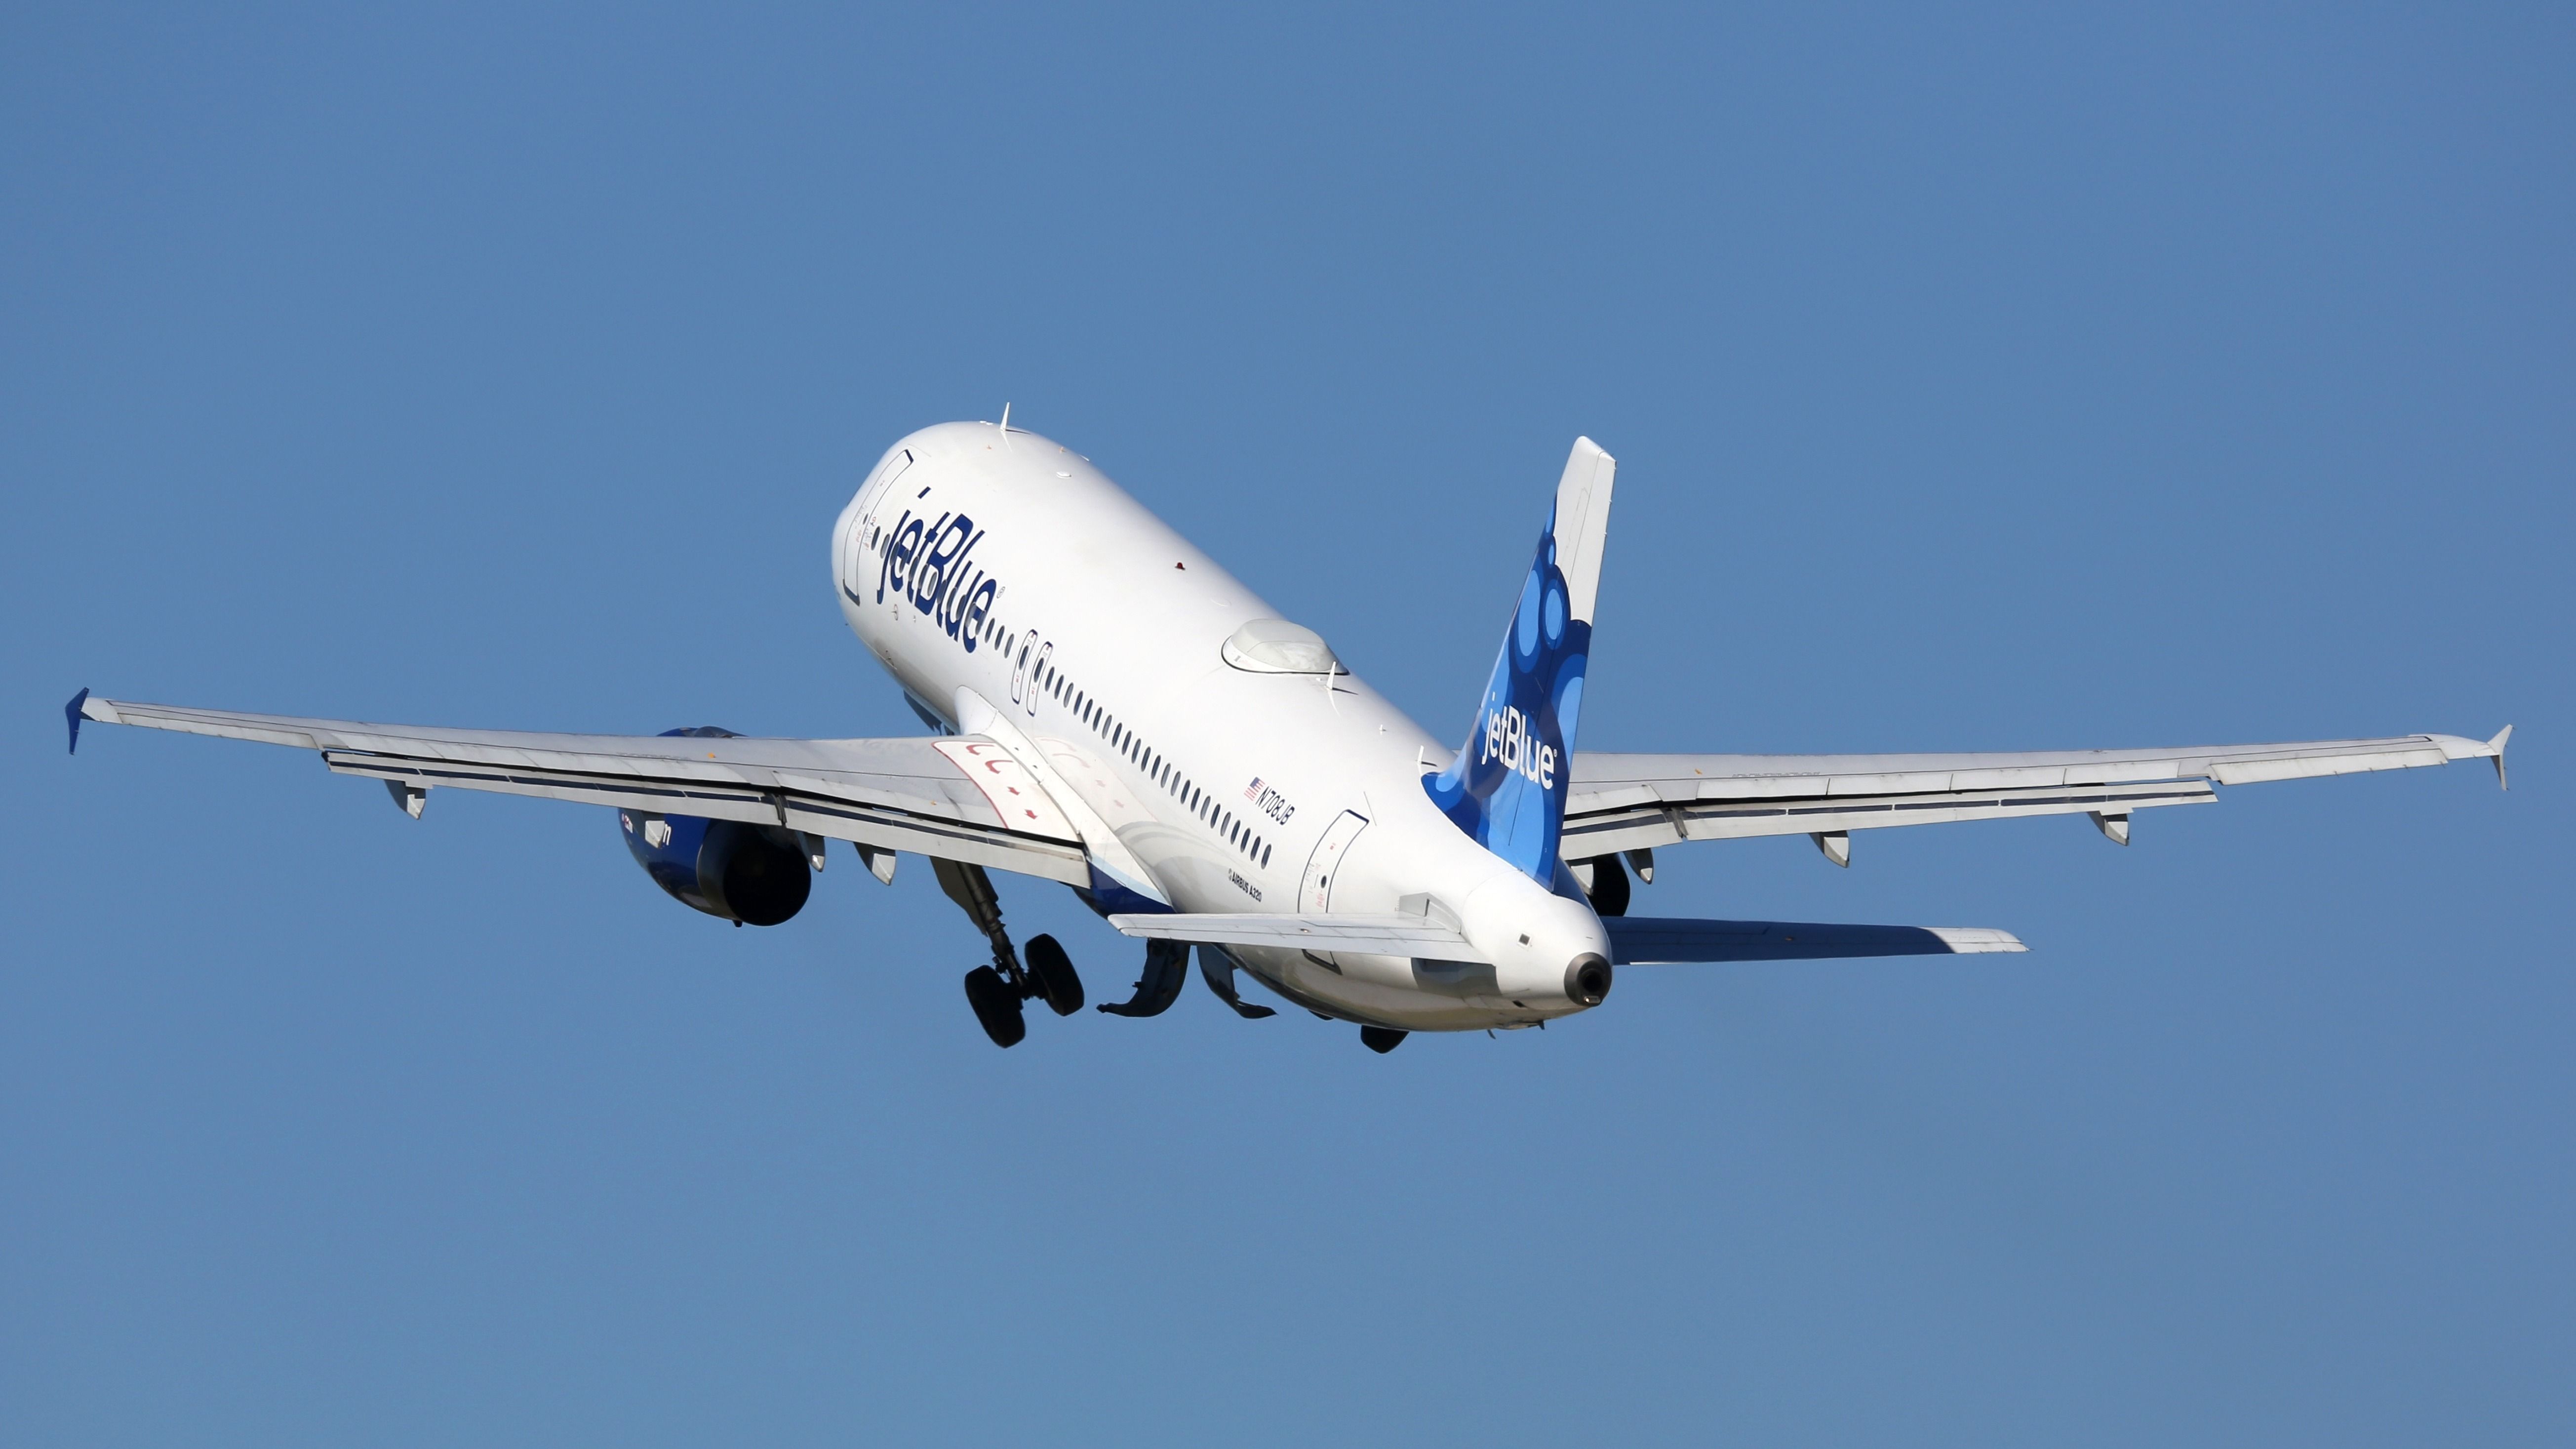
<point>996,991</point>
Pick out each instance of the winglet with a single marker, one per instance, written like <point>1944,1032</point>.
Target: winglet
<point>72,715</point>
<point>2496,748</point>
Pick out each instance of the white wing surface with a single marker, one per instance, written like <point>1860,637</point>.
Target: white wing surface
<point>1372,935</point>
<point>962,798</point>
<point>1635,802</point>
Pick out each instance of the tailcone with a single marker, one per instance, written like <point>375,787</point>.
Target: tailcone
<point>1587,980</point>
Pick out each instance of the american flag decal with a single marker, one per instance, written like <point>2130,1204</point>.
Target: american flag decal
<point>1253,790</point>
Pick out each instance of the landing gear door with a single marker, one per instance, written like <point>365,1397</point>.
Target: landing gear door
<point>1315,895</point>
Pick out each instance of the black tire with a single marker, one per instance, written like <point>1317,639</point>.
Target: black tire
<point>1381,1039</point>
<point>997,1006</point>
<point>1051,971</point>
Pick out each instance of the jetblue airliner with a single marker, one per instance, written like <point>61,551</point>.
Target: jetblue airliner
<point>1113,710</point>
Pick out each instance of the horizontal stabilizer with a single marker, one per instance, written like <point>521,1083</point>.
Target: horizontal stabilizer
<point>1372,935</point>
<point>1646,941</point>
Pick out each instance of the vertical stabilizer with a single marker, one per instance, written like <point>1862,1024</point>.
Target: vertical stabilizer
<point>1507,786</point>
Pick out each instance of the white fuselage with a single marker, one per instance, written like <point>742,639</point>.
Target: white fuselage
<point>1090,626</point>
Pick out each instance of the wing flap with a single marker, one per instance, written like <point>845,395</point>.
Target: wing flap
<point>1648,941</point>
<point>1643,828</point>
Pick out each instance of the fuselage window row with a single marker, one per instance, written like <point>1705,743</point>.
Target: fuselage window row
<point>1094,716</point>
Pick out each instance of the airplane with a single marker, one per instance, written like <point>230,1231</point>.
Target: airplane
<point>1110,709</point>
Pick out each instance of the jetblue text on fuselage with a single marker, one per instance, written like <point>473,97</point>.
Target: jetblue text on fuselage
<point>927,564</point>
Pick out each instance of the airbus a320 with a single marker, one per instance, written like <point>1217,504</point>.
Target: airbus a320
<point>1110,709</point>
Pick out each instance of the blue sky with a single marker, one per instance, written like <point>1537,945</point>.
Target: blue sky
<point>1979,379</point>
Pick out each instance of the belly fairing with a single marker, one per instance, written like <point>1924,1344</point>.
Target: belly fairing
<point>1409,995</point>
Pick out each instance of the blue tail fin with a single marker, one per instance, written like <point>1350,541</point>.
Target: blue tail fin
<point>1507,787</point>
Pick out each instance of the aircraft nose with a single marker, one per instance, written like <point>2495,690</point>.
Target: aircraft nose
<point>1587,980</point>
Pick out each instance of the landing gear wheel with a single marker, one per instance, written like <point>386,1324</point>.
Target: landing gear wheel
<point>997,1006</point>
<point>1381,1039</point>
<point>1051,971</point>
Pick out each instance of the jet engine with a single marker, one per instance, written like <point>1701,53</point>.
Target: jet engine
<point>751,875</point>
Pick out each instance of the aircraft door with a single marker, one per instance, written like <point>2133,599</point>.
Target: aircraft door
<point>853,557</point>
<point>1037,673</point>
<point>854,549</point>
<point>875,492</point>
<point>1020,670</point>
<point>1314,896</point>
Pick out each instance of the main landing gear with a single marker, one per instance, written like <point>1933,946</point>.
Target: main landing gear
<point>996,991</point>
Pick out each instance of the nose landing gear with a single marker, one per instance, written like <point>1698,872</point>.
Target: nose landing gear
<point>996,991</point>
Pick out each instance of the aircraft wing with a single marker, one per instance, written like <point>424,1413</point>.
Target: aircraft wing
<point>961,798</point>
<point>1632,802</point>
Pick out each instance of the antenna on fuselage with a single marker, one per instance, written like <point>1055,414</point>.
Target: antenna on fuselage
<point>1006,425</point>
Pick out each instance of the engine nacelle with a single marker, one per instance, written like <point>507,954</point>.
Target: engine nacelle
<point>756,875</point>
